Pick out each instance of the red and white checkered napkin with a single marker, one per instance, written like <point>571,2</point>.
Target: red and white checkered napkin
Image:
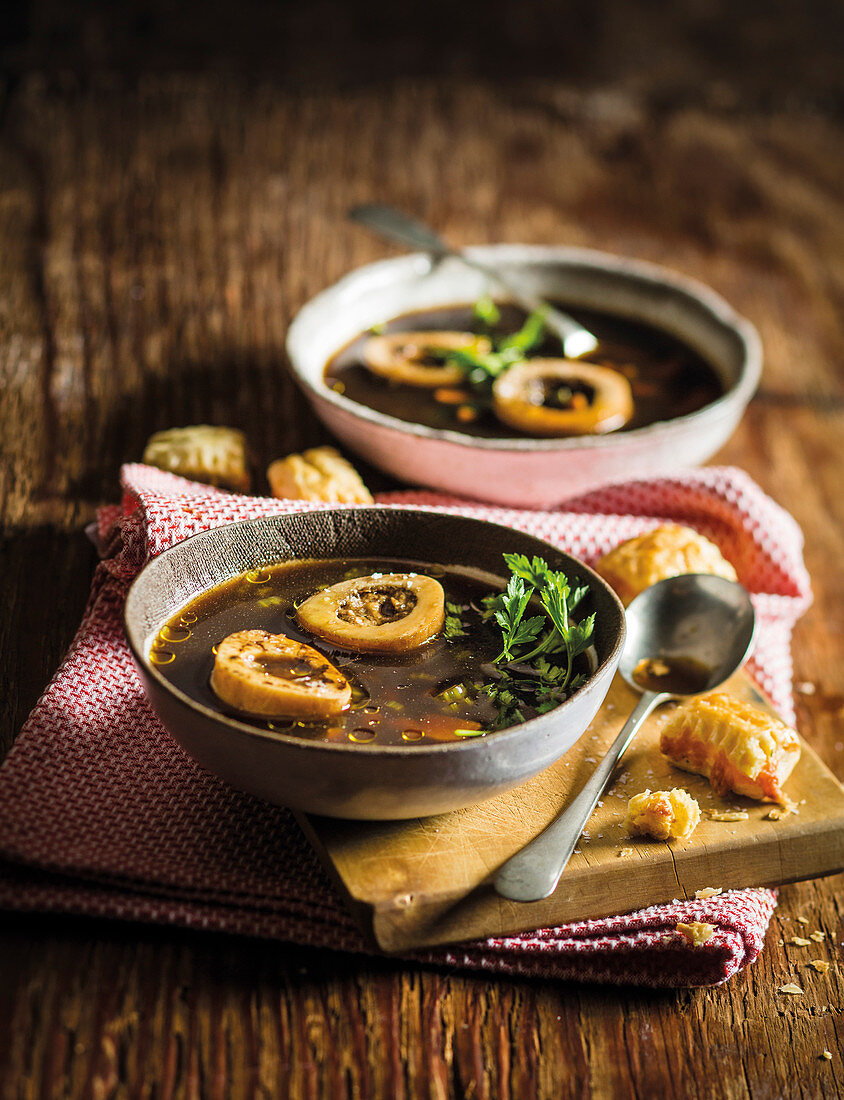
<point>102,813</point>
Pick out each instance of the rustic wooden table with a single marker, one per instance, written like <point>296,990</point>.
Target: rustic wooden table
<point>158,232</point>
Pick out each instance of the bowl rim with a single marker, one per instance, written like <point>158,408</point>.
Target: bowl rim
<point>415,751</point>
<point>642,271</point>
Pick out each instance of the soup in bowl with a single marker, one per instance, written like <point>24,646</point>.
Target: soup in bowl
<point>421,662</point>
<point>464,412</point>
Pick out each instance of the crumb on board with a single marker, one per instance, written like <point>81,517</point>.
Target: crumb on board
<point>623,853</point>
<point>827,1054</point>
<point>696,932</point>
<point>820,965</point>
<point>798,941</point>
<point>818,937</point>
<point>728,815</point>
<point>778,813</point>
<point>784,809</point>
<point>790,987</point>
<point>802,920</point>
<point>707,892</point>
<point>806,687</point>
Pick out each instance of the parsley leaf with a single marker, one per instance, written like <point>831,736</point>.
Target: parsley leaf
<point>528,336</point>
<point>453,626</point>
<point>553,635</point>
<point>486,311</point>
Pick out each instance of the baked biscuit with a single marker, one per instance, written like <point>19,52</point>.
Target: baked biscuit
<point>203,452</point>
<point>321,474</point>
<point>737,746</point>
<point>667,551</point>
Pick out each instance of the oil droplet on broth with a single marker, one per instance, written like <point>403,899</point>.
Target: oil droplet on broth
<point>258,576</point>
<point>215,649</point>
<point>172,634</point>
<point>412,735</point>
<point>187,619</point>
<point>162,656</point>
<point>362,736</point>
<point>371,708</point>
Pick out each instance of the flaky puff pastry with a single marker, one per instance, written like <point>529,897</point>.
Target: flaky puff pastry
<point>667,551</point>
<point>664,815</point>
<point>203,452</point>
<point>737,746</point>
<point>319,474</point>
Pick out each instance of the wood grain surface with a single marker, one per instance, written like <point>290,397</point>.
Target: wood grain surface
<point>170,193</point>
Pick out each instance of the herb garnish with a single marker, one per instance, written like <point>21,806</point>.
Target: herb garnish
<point>536,664</point>
<point>453,626</point>
<point>482,368</point>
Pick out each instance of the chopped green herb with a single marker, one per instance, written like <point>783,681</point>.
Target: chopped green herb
<point>528,336</point>
<point>453,626</point>
<point>486,311</point>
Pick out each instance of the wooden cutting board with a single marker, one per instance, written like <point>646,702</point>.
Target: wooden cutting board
<point>428,881</point>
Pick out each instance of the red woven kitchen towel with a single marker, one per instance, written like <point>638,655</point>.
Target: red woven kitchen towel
<point>102,813</point>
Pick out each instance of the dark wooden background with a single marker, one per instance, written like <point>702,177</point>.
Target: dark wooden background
<point>172,186</point>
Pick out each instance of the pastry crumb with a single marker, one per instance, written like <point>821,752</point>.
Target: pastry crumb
<point>798,941</point>
<point>802,920</point>
<point>728,815</point>
<point>785,808</point>
<point>707,892</point>
<point>827,1054</point>
<point>696,932</point>
<point>623,853</point>
<point>818,937</point>
<point>664,815</point>
<point>821,965</point>
<point>790,988</point>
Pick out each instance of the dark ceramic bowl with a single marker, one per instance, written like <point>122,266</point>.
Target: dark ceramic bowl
<point>348,780</point>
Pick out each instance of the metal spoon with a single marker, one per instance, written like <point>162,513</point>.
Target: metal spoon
<point>402,229</point>
<point>706,619</point>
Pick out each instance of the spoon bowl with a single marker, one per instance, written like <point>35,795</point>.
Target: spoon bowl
<point>695,617</point>
<point>688,634</point>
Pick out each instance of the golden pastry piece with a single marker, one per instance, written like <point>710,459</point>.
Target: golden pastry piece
<point>696,932</point>
<point>204,452</point>
<point>274,676</point>
<point>664,815</point>
<point>319,474</point>
<point>413,357</point>
<point>383,613</point>
<point>737,746</point>
<point>560,397</point>
<point>667,551</point>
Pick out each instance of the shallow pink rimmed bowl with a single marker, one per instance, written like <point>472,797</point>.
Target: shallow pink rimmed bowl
<point>527,472</point>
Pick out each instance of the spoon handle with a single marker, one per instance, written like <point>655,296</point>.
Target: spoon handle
<point>399,228</point>
<point>533,873</point>
<point>402,229</point>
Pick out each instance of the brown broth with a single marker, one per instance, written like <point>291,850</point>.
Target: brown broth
<point>395,698</point>
<point>679,675</point>
<point>668,378</point>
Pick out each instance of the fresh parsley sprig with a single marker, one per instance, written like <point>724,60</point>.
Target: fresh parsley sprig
<point>534,578</point>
